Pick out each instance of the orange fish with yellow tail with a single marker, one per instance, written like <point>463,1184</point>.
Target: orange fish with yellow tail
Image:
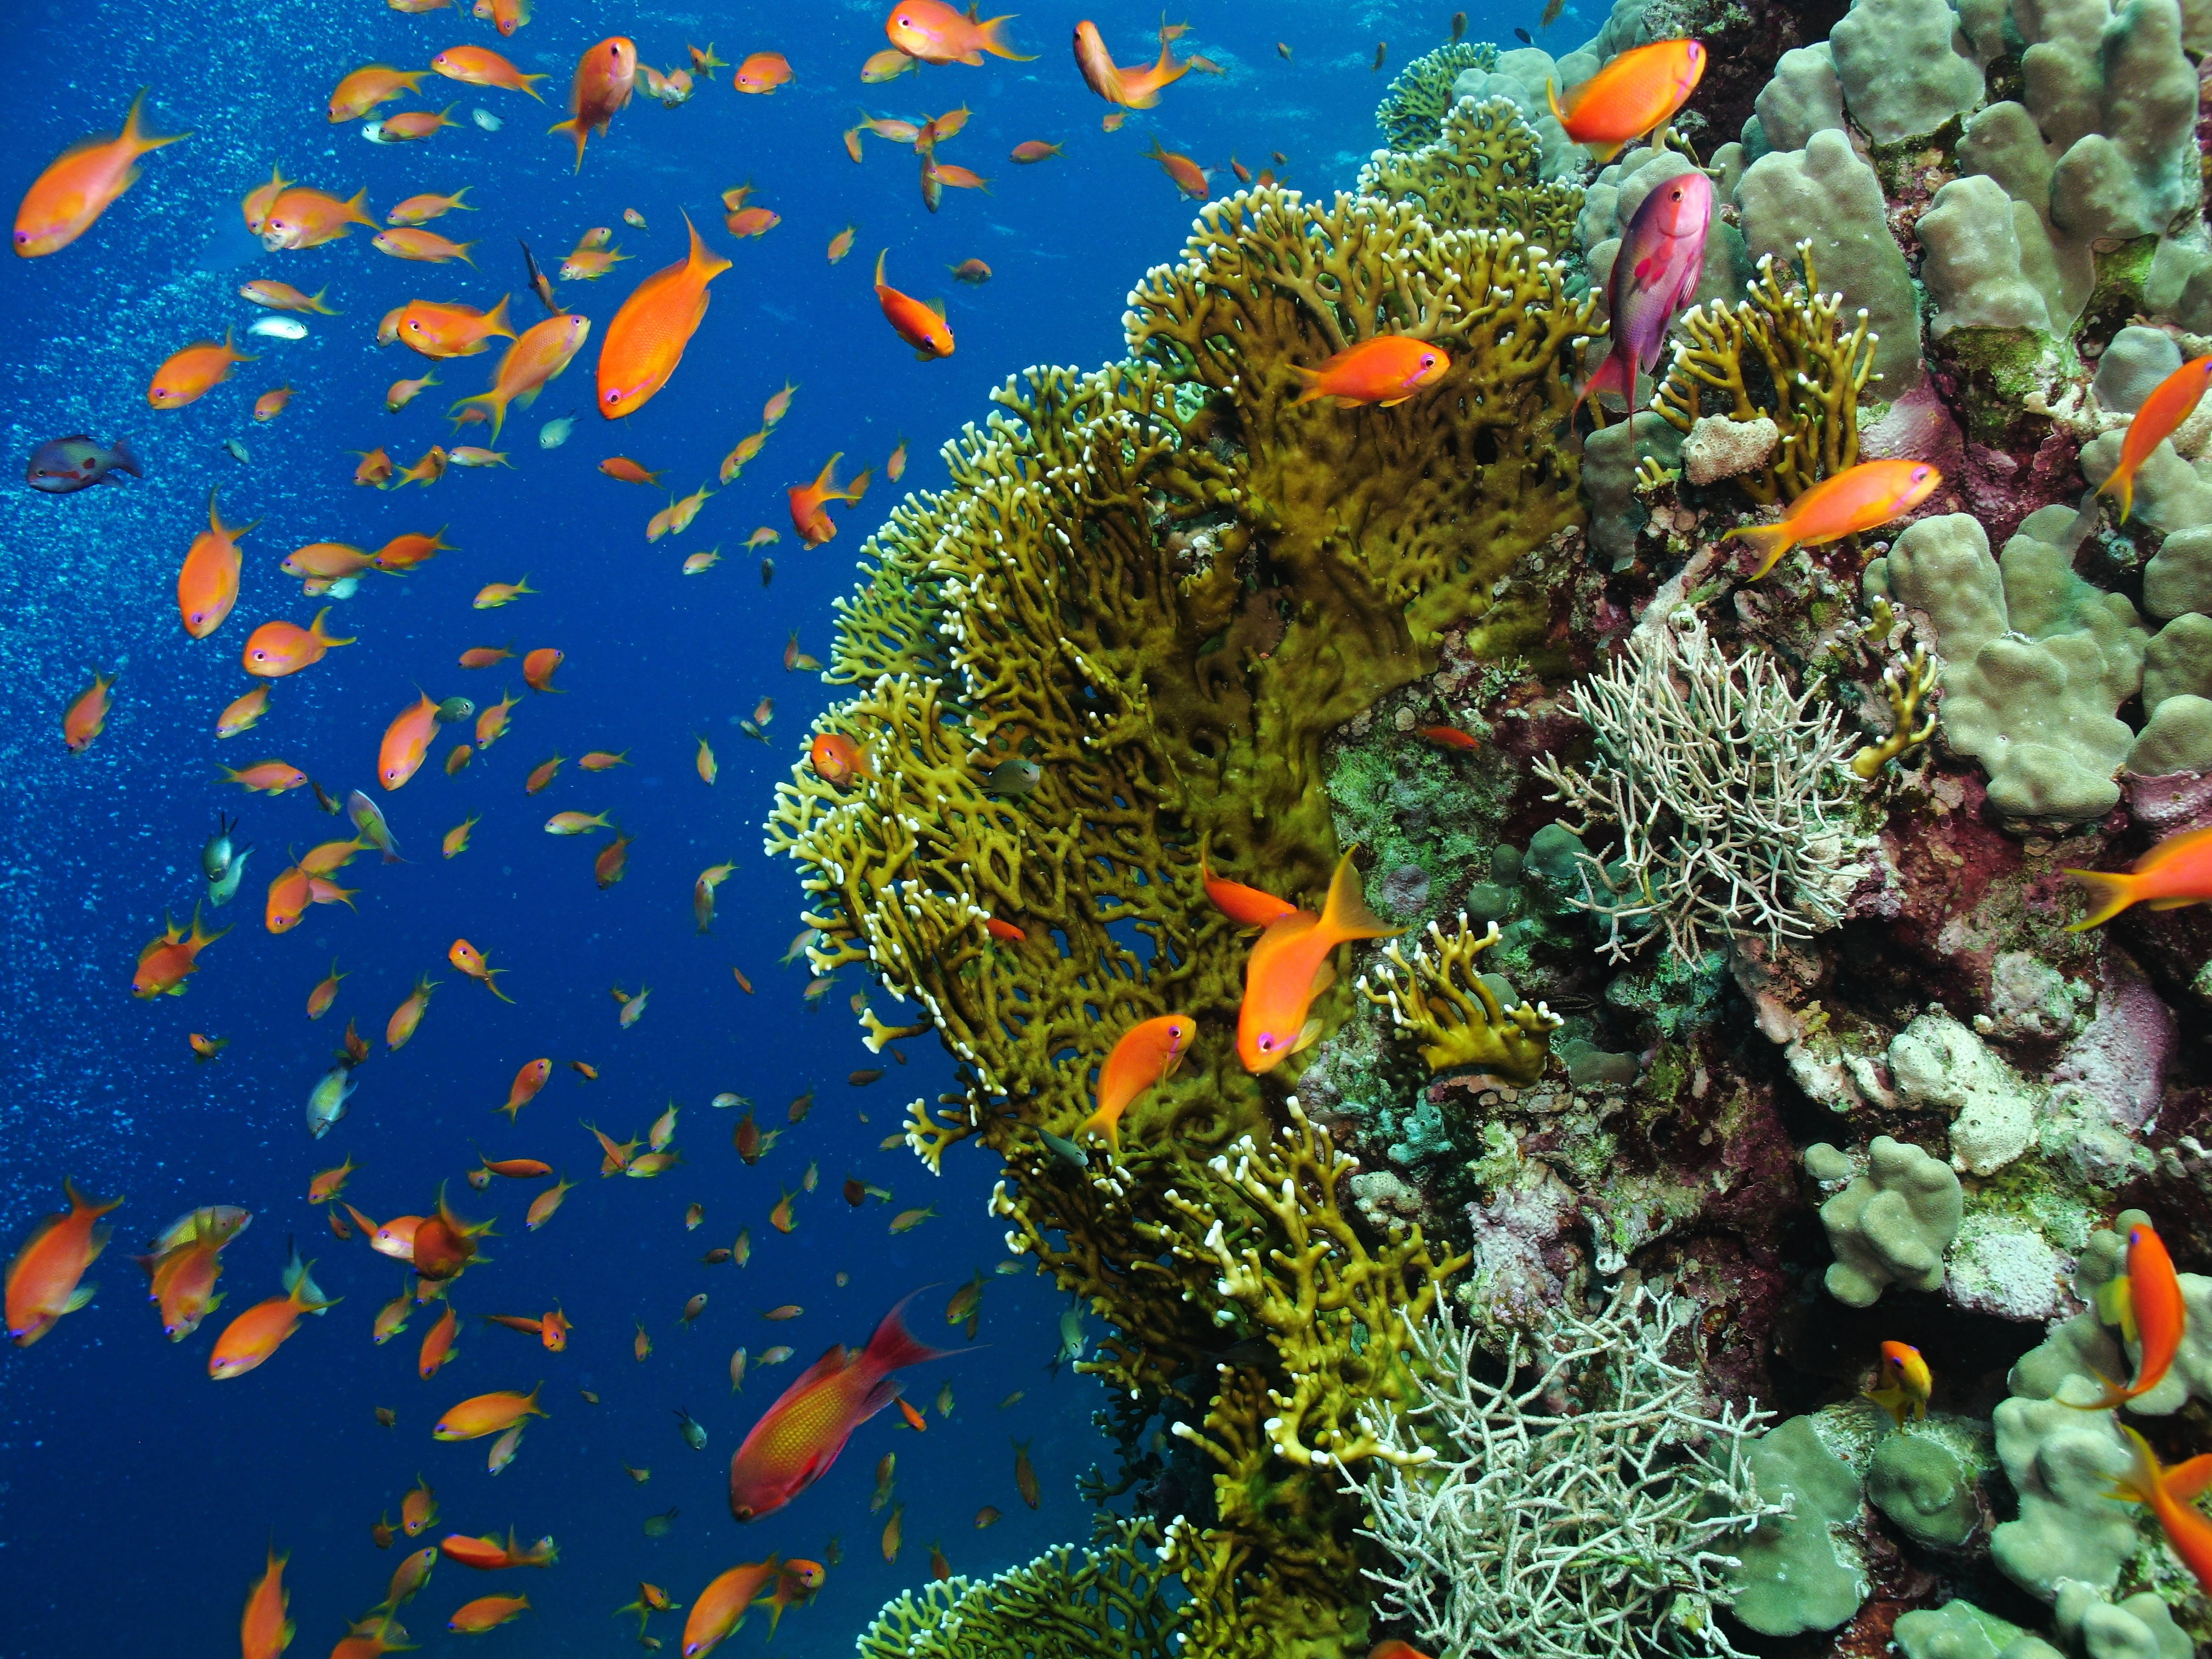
<point>2147,1303</point>
<point>166,961</point>
<point>1147,1054</point>
<point>794,1444</point>
<point>1288,966</point>
<point>277,649</point>
<point>2171,402</point>
<point>1635,93</point>
<point>605,76</point>
<point>207,584</point>
<point>190,374</point>
<point>938,33</point>
<point>809,514</point>
<point>921,326</point>
<point>1127,89</point>
<point>543,352</point>
<point>81,184</point>
<point>719,1610</point>
<point>2178,872</point>
<point>487,1413</point>
<point>2171,1495</point>
<point>1863,498</point>
<point>266,1630</point>
<point>258,1332</point>
<point>471,961</point>
<point>45,1279</point>
<point>407,742</point>
<point>1387,370</point>
<point>1905,1384</point>
<point>646,340</point>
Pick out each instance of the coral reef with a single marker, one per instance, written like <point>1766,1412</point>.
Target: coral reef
<point>1735,995</point>
<point>1583,1502</point>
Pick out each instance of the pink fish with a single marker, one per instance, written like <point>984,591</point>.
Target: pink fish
<point>1663,254</point>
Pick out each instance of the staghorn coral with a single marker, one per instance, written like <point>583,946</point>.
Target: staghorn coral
<point>1111,1604</point>
<point>1412,111</point>
<point>1575,1502</point>
<point>1484,168</point>
<point>1781,354</point>
<point>1455,1014</point>
<point>1727,790</point>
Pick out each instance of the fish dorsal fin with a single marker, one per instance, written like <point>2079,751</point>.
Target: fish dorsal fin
<point>938,305</point>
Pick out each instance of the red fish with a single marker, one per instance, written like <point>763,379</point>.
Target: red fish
<point>45,1278</point>
<point>921,326</point>
<point>1148,1052</point>
<point>799,1437</point>
<point>2170,1494</point>
<point>1189,178</point>
<point>2175,872</point>
<point>1248,906</point>
<point>1288,966</point>
<point>605,76</point>
<point>1388,369</point>
<point>809,513</point>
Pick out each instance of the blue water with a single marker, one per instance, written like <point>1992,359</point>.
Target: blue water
<point>136,1495</point>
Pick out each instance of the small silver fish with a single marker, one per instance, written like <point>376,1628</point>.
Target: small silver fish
<point>486,119</point>
<point>238,452</point>
<point>373,131</point>
<point>278,328</point>
<point>326,1101</point>
<point>455,708</point>
<point>224,888</point>
<point>369,821</point>
<point>216,857</point>
<point>554,434</point>
<point>1012,776</point>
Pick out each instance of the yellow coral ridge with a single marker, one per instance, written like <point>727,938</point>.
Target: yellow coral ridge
<point>1783,353</point>
<point>1486,169</point>
<point>1906,690</point>
<point>1445,1004</point>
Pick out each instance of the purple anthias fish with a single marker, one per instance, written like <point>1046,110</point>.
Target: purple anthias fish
<point>61,466</point>
<point>1662,257</point>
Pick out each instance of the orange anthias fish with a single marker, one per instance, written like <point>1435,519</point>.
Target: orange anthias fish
<point>1147,1054</point>
<point>1130,88</point>
<point>277,649</point>
<point>1636,92</point>
<point>2147,1303</point>
<point>938,33</point>
<point>538,666</point>
<point>400,1028</point>
<point>527,1082</point>
<point>605,76</point>
<point>621,467</point>
<point>471,961</point>
<point>542,353</point>
<point>488,1554</point>
<point>185,1261</point>
<point>921,326</point>
<point>1248,906</point>
<point>190,374</point>
<point>1905,1383</point>
<point>85,717</point>
<point>438,1344</point>
<point>2172,1494</point>
<point>45,1278</point>
<point>480,66</point>
<point>836,759</point>
<point>81,184</point>
<point>761,72</point>
<point>487,1413</point>
<point>407,742</point>
<point>207,585</point>
<point>452,330</point>
<point>166,960</point>
<point>308,218</point>
<point>256,202</point>
<point>369,86</point>
<point>1387,370</point>
<point>809,514</point>
<point>647,339</point>
<point>1288,966</point>
<point>799,1437</point>
<point>1861,497</point>
<point>265,1631</point>
<point>720,1608</point>
<point>2172,401</point>
<point>2176,872</point>
<point>264,1328</point>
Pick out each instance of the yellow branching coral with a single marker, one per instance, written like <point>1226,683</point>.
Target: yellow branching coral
<point>1164,585</point>
<point>1445,1004</point>
<point>1485,169</point>
<point>1414,108</point>
<point>1782,353</point>
<point>1907,687</point>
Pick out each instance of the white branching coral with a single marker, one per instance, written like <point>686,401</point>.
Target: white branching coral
<point>1577,1507</point>
<point>1731,794</point>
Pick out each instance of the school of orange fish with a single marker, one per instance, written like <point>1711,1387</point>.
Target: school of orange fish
<point>801,1434</point>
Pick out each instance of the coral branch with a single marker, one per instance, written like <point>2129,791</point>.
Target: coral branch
<point>1447,1007</point>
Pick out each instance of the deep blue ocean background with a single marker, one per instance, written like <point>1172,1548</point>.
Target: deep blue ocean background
<point>136,1495</point>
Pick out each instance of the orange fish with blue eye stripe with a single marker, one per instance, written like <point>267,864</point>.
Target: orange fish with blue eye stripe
<point>1635,93</point>
<point>1905,1383</point>
<point>1288,966</point>
<point>799,1437</point>
<point>2147,1302</point>
<point>647,339</point>
<point>1147,1054</point>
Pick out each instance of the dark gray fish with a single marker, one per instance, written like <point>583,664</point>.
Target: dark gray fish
<point>455,708</point>
<point>216,856</point>
<point>61,466</point>
<point>1066,1150</point>
<point>767,572</point>
<point>1523,36</point>
<point>238,452</point>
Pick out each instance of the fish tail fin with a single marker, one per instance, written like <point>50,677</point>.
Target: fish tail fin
<point>315,300</point>
<point>857,487</point>
<point>135,135</point>
<point>356,208</point>
<point>496,322</point>
<point>701,258</point>
<point>494,401</point>
<point>1104,1123</point>
<point>991,38</point>
<point>530,85</point>
<point>575,128</point>
<point>2122,481</point>
<point>894,1345</point>
<point>2111,891</point>
<point>491,983</point>
<point>2115,1394</point>
<point>120,454</point>
<point>2186,1482</point>
<point>1611,375</point>
<point>1769,541</point>
<point>1551,97</point>
<point>1603,154</point>
<point>1346,915</point>
<point>316,629</point>
<point>2142,1481</point>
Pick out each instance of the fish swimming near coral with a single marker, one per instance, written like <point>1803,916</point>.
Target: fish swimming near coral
<point>2171,402</point>
<point>2171,1495</point>
<point>1288,966</point>
<point>1634,93</point>
<point>2147,1303</point>
<point>1146,1054</point>
<point>2176,872</point>
<point>1654,274</point>
<point>1905,1383</point>
<point>1863,498</point>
